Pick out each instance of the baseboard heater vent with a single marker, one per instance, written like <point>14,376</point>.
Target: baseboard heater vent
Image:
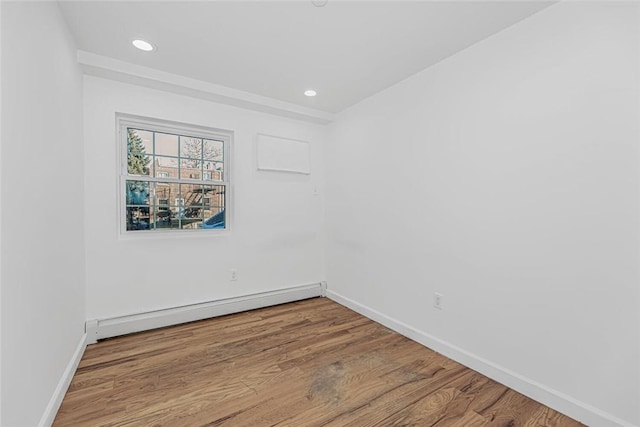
<point>98,329</point>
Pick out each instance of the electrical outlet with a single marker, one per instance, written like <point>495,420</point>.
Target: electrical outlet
<point>437,300</point>
<point>234,275</point>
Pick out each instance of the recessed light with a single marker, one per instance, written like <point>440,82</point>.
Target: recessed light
<point>143,45</point>
<point>310,92</point>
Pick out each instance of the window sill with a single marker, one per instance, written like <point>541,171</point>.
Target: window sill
<point>172,234</point>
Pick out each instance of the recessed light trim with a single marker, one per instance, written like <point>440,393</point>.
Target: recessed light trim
<point>143,45</point>
<point>310,92</point>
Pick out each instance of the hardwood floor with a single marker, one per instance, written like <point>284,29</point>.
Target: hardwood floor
<point>308,363</point>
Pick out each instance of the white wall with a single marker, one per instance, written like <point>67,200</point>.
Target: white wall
<point>43,298</point>
<point>505,178</point>
<point>277,221</point>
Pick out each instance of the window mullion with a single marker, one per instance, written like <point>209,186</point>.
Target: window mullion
<point>153,155</point>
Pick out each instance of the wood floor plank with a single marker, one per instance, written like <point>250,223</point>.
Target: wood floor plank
<point>308,363</point>
<point>432,408</point>
<point>469,419</point>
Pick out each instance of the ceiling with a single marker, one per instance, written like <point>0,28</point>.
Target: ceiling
<point>346,50</point>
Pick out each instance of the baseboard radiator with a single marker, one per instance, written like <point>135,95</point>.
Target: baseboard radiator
<point>98,329</point>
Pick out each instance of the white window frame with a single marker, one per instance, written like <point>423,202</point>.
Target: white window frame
<point>125,121</point>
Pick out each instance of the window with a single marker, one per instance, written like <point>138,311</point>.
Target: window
<point>173,176</point>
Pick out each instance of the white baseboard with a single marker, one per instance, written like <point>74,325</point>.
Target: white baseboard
<point>122,325</point>
<point>561,402</point>
<point>63,385</point>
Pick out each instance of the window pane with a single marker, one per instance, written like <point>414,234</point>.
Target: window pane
<point>166,167</point>
<point>190,168</point>
<point>169,208</point>
<point>138,192</point>
<point>215,194</point>
<point>212,150</point>
<point>166,145</point>
<point>191,223</point>
<point>147,140</point>
<point>190,147</point>
<point>193,195</point>
<point>214,207</point>
<point>165,218</point>
<point>162,213</point>
<point>193,199</point>
<point>166,162</point>
<point>139,151</point>
<point>137,218</point>
<point>166,192</point>
<point>214,169</point>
